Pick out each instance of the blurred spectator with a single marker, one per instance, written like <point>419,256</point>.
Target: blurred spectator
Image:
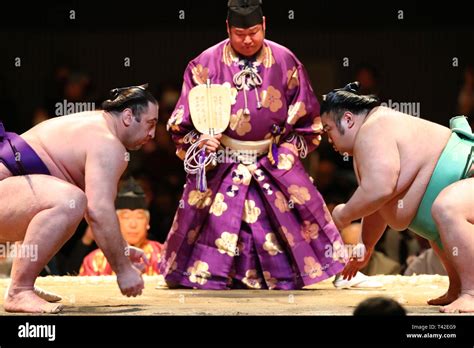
<point>399,245</point>
<point>426,263</point>
<point>68,84</point>
<point>69,258</point>
<point>381,264</point>
<point>368,78</point>
<point>325,176</point>
<point>352,235</point>
<point>466,95</point>
<point>168,98</point>
<point>162,201</point>
<point>134,221</point>
<point>333,180</point>
<point>379,306</point>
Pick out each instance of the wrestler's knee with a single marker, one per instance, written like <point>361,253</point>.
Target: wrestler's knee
<point>444,209</point>
<point>4,172</point>
<point>73,202</point>
<point>77,202</point>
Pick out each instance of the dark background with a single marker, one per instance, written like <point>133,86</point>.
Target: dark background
<point>81,59</point>
<point>413,57</point>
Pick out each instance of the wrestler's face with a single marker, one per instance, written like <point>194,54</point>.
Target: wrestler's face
<point>134,225</point>
<point>342,142</point>
<point>247,41</point>
<point>139,132</point>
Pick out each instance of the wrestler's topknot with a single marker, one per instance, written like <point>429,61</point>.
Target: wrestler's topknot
<point>339,100</point>
<point>352,87</point>
<point>133,97</point>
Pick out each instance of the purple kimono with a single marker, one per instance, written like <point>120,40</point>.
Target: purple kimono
<point>261,225</point>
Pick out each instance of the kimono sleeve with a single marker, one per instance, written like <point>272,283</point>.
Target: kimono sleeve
<point>303,119</point>
<point>180,125</point>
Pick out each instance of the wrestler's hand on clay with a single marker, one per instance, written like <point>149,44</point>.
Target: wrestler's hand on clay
<point>138,258</point>
<point>130,282</point>
<point>338,219</point>
<point>212,143</point>
<point>356,263</point>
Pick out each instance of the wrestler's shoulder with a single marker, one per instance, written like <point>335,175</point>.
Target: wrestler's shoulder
<point>98,135</point>
<point>380,117</point>
<point>105,146</point>
<point>109,147</point>
<point>376,126</point>
<point>89,123</point>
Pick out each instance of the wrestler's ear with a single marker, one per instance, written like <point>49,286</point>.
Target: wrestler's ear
<point>348,118</point>
<point>127,117</point>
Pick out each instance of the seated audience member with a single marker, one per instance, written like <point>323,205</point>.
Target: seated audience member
<point>134,221</point>
<point>380,306</point>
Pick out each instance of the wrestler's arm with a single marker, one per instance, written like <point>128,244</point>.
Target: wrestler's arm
<point>378,163</point>
<point>104,166</point>
<point>373,226</point>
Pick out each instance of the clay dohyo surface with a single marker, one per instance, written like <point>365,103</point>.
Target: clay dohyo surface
<point>101,296</point>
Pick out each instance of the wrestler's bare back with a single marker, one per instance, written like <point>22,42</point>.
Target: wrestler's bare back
<point>419,144</point>
<point>63,143</point>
